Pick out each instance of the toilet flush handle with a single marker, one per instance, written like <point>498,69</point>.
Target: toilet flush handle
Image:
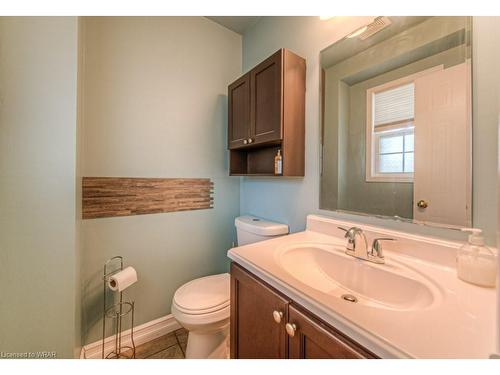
<point>277,316</point>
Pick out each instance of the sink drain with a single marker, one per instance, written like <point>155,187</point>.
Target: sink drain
<point>349,298</point>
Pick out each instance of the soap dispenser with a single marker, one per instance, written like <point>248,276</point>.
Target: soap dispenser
<point>476,263</point>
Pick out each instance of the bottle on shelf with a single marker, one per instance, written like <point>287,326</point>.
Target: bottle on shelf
<point>278,163</point>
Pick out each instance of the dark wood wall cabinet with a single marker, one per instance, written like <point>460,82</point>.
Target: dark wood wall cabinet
<point>266,324</point>
<point>266,113</point>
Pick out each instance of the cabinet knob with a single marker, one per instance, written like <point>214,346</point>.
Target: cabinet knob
<point>250,140</point>
<point>290,329</point>
<point>422,204</point>
<point>277,316</point>
<point>245,141</point>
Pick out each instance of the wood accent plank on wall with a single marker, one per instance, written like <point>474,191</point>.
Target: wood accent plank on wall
<point>124,196</point>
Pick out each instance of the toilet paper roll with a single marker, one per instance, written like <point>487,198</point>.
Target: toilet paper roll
<point>122,280</point>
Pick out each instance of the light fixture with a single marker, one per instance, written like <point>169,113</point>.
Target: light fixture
<point>367,31</point>
<point>358,32</point>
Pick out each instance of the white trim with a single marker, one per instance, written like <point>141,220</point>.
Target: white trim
<point>370,175</point>
<point>142,334</point>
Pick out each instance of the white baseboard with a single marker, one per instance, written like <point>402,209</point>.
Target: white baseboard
<point>142,334</point>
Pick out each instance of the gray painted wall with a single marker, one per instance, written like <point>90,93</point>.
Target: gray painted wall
<point>38,80</point>
<point>154,105</point>
<point>290,200</point>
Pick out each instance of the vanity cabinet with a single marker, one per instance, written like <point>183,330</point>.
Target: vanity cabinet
<point>266,113</point>
<point>267,324</point>
<point>254,332</point>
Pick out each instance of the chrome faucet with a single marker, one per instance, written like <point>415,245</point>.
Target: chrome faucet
<point>375,254</point>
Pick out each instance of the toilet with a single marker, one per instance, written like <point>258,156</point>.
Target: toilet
<point>202,306</point>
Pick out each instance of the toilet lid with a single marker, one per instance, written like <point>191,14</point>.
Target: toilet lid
<point>204,295</point>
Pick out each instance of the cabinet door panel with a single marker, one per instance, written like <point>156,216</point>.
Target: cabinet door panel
<point>254,333</point>
<point>313,340</point>
<point>239,112</point>
<point>266,100</point>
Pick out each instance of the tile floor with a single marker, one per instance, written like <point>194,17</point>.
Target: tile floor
<point>171,346</point>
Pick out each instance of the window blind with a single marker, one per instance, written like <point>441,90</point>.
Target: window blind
<point>394,106</point>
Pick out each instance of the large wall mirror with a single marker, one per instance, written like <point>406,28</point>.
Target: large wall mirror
<point>396,121</point>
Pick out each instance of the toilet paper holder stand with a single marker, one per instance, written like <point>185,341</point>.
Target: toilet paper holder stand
<point>116,312</point>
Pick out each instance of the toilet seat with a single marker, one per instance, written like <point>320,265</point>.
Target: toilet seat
<point>202,322</point>
<point>202,296</point>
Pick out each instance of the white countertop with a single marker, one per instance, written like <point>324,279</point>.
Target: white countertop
<point>460,325</point>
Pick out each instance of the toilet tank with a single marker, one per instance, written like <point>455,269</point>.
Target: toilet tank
<point>250,229</point>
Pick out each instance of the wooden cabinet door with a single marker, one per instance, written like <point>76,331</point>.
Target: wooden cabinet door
<point>266,104</point>
<point>239,112</point>
<point>314,340</point>
<point>254,332</point>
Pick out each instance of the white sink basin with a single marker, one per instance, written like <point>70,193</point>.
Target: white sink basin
<point>328,269</point>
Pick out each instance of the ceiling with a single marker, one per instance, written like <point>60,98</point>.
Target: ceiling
<point>236,23</point>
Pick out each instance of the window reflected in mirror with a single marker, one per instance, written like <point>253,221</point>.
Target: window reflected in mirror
<point>396,118</point>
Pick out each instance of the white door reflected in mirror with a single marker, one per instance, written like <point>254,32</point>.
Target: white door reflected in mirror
<point>442,137</point>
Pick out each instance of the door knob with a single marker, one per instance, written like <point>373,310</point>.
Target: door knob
<point>250,140</point>
<point>245,141</point>
<point>422,204</point>
<point>290,329</point>
<point>277,316</point>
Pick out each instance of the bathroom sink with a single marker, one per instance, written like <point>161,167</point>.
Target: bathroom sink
<point>328,269</point>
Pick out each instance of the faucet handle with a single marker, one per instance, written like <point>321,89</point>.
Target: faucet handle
<point>348,233</point>
<point>351,232</point>
<point>377,247</point>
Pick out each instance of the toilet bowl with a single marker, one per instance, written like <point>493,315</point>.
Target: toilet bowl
<point>202,306</point>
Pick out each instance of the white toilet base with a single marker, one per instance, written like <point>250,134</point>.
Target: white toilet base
<point>212,344</point>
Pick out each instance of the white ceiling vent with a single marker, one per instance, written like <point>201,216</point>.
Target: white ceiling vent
<point>378,24</point>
